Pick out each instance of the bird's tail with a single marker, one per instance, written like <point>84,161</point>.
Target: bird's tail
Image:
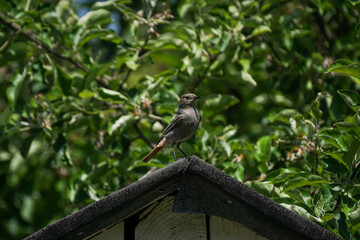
<point>156,149</point>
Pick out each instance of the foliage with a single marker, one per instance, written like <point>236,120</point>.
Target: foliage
<point>87,87</point>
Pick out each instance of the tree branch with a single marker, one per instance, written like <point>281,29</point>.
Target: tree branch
<point>139,53</point>
<point>212,59</point>
<point>33,38</point>
<point>8,40</point>
<point>137,129</point>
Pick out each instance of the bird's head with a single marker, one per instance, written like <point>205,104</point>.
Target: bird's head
<point>188,100</point>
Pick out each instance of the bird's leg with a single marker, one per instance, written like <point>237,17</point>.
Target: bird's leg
<point>172,146</point>
<point>178,147</point>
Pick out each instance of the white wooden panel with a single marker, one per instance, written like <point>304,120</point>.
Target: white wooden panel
<point>115,232</point>
<point>159,222</point>
<point>224,229</point>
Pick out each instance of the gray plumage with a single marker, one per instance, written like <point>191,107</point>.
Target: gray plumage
<point>181,128</point>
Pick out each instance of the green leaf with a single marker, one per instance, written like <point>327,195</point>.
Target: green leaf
<point>351,154</point>
<point>334,162</point>
<point>215,103</point>
<point>90,34</point>
<point>131,62</point>
<point>283,115</point>
<point>185,7</point>
<point>111,95</point>
<point>94,71</point>
<point>28,208</point>
<point>64,80</point>
<point>345,66</point>
<point>292,201</point>
<point>266,189</point>
<point>226,147</point>
<point>259,30</point>
<point>333,137</point>
<point>348,127</point>
<point>339,63</point>
<point>108,5</point>
<point>98,16</point>
<point>354,220</point>
<point>315,109</point>
<point>86,94</point>
<point>4,115</point>
<point>247,78</point>
<point>13,92</point>
<point>351,98</point>
<point>354,2</point>
<point>263,152</point>
<point>281,175</point>
<point>225,41</point>
<point>26,143</point>
<point>299,180</point>
<point>120,124</point>
<point>301,211</point>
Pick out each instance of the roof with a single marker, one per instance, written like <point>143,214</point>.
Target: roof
<point>199,188</point>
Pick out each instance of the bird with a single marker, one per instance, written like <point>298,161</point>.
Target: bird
<point>181,128</point>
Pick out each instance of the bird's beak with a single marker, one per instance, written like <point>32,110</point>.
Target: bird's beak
<point>197,97</point>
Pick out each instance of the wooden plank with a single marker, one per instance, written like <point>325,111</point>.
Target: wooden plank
<point>159,222</point>
<point>115,232</point>
<point>224,229</point>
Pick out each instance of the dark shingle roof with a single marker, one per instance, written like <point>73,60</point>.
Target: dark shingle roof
<point>199,188</point>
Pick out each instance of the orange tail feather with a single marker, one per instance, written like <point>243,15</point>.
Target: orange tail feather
<point>152,153</point>
<point>156,149</point>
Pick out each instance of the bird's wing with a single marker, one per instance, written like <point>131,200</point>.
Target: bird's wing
<point>175,122</point>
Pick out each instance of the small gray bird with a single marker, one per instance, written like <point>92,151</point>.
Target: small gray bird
<point>181,128</point>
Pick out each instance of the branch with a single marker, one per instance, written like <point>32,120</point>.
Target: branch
<point>137,129</point>
<point>8,40</point>
<point>33,38</point>
<point>323,27</point>
<point>316,153</point>
<point>212,59</point>
<point>139,53</point>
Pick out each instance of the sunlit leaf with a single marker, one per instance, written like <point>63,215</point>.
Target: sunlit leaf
<point>248,78</point>
<point>281,174</point>
<point>345,66</point>
<point>86,94</point>
<point>263,152</point>
<point>266,189</point>
<point>111,95</point>
<point>310,180</point>
<point>351,154</point>
<point>226,147</point>
<point>301,211</point>
<point>98,16</point>
<point>351,98</point>
<point>259,30</point>
<point>354,220</point>
<point>333,137</point>
<point>131,62</point>
<point>120,124</point>
<point>92,34</point>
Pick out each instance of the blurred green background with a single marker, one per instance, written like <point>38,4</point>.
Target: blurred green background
<point>86,87</point>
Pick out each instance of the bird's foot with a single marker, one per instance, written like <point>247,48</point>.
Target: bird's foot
<point>188,157</point>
